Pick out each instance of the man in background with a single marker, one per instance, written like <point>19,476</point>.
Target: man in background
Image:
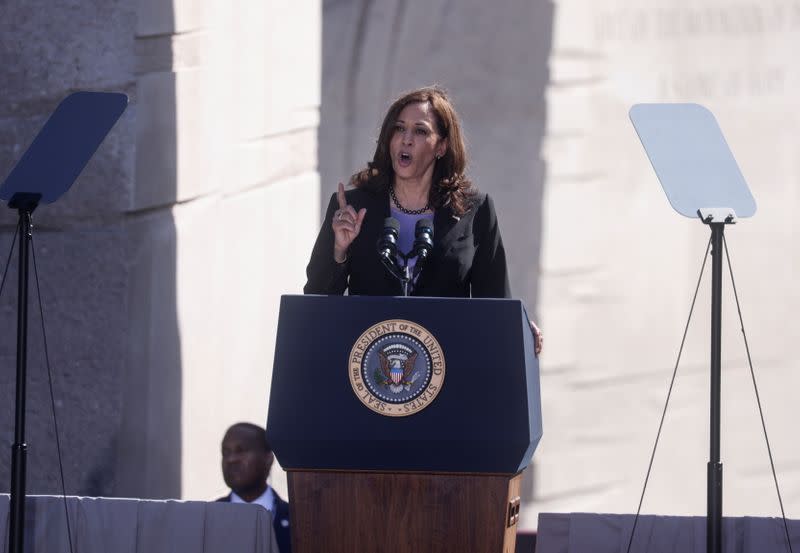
<point>246,462</point>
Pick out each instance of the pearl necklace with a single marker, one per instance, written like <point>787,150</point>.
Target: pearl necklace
<point>403,209</point>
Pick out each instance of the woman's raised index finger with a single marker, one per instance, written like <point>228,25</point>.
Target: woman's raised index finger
<point>340,196</point>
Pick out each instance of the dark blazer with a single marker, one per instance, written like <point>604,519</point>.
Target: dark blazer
<point>468,255</point>
<point>280,522</point>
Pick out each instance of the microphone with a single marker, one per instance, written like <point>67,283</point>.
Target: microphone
<point>423,239</point>
<point>387,242</point>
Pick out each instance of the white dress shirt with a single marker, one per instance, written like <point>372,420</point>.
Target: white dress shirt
<point>266,500</point>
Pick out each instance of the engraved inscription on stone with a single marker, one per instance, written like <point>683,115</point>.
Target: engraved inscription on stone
<point>722,20</point>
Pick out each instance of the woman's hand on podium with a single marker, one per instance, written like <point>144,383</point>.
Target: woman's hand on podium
<point>538,339</point>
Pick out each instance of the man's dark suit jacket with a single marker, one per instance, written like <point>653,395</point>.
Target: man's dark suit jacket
<point>468,256</point>
<point>280,523</point>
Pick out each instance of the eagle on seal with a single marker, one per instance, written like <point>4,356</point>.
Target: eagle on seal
<point>397,371</point>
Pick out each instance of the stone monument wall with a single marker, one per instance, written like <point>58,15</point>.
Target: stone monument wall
<point>619,267</point>
<point>162,268</point>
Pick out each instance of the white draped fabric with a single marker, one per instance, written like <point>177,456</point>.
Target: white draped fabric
<point>100,525</point>
<point>596,533</point>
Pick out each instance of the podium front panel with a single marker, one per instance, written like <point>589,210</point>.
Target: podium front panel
<point>486,417</point>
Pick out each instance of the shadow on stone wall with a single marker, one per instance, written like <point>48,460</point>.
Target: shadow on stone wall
<point>492,58</point>
<point>106,265</point>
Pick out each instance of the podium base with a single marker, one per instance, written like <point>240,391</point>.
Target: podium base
<point>342,512</point>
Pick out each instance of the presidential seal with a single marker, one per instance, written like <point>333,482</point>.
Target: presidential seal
<point>396,368</point>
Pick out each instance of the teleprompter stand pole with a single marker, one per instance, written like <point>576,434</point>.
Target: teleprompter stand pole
<point>24,204</point>
<point>714,500</point>
<point>716,219</point>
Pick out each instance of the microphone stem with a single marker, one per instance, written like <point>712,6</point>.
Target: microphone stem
<point>406,276</point>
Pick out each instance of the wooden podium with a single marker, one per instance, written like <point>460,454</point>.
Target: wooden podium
<point>404,423</point>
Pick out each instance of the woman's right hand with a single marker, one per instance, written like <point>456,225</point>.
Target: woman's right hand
<point>346,226</point>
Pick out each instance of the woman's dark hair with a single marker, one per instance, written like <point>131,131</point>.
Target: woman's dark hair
<point>450,186</point>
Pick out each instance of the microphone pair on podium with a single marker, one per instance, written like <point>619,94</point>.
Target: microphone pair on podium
<point>390,255</point>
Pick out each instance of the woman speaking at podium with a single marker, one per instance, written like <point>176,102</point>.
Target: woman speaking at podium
<point>416,173</point>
